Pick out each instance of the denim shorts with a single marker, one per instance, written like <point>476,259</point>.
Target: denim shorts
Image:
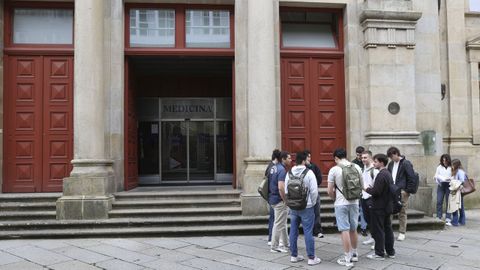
<point>347,217</point>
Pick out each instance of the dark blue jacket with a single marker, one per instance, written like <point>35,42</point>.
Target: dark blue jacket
<point>405,178</point>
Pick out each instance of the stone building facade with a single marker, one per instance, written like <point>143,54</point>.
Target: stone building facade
<point>289,74</point>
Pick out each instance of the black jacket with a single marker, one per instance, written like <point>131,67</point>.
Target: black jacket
<point>316,170</point>
<point>381,197</point>
<point>405,175</point>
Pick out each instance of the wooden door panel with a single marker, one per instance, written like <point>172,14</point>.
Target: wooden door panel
<point>131,158</point>
<point>313,107</point>
<point>58,121</point>
<point>23,124</point>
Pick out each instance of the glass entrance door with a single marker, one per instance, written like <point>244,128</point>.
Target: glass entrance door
<point>185,141</point>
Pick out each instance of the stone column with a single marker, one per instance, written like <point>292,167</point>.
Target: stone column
<point>389,42</point>
<point>87,193</point>
<point>261,100</point>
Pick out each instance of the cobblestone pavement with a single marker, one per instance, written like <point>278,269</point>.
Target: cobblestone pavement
<point>452,248</point>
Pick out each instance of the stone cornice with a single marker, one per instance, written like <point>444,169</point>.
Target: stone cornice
<point>389,28</point>
<point>474,43</point>
<point>412,16</point>
<point>413,135</point>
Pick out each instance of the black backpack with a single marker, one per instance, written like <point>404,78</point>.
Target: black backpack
<point>297,191</point>
<point>396,197</point>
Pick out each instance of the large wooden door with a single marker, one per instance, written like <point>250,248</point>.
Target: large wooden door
<point>131,136</point>
<point>313,107</point>
<point>38,123</point>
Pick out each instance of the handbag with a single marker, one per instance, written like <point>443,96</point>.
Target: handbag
<point>263,188</point>
<point>468,187</point>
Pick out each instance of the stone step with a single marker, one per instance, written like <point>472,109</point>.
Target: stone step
<point>27,206</point>
<point>194,230</point>
<point>171,212</point>
<point>178,195</point>
<point>26,215</point>
<point>152,204</point>
<point>29,197</point>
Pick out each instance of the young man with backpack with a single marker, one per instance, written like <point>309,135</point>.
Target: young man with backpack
<point>345,188</point>
<point>380,208</point>
<point>276,198</point>
<point>317,227</point>
<point>301,193</point>
<point>406,179</point>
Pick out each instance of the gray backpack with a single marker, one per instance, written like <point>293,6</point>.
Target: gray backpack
<point>352,182</point>
<point>297,195</point>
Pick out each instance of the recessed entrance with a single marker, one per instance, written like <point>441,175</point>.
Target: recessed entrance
<point>183,113</point>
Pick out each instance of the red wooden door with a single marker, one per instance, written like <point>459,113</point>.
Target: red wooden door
<point>131,158</point>
<point>313,108</point>
<point>38,123</point>
<point>58,121</point>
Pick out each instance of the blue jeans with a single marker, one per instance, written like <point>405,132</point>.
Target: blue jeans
<point>271,219</point>
<point>459,220</point>
<point>307,217</point>
<point>363,222</point>
<point>443,193</point>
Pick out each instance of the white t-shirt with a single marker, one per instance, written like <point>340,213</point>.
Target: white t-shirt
<point>335,176</point>
<point>395,170</point>
<point>368,180</point>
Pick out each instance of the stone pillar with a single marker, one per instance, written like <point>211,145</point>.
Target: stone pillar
<point>389,43</point>
<point>87,193</point>
<point>261,101</point>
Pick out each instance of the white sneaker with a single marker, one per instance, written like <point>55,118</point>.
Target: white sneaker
<point>368,242</point>
<point>278,250</point>
<point>374,256</point>
<point>299,258</point>
<point>269,243</point>
<point>314,261</point>
<point>448,223</point>
<point>320,235</point>
<point>401,237</point>
<point>354,257</point>
<point>372,247</point>
<point>343,261</point>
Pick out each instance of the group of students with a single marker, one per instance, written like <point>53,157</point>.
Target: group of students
<point>376,177</point>
<point>450,176</point>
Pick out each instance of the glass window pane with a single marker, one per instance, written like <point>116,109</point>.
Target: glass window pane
<point>211,29</point>
<point>475,5</point>
<point>224,147</point>
<point>42,26</point>
<point>152,28</point>
<point>307,35</point>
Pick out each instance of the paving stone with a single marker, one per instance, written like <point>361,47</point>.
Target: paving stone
<point>128,244</point>
<point>423,259</point>
<point>175,256</point>
<point>205,264</point>
<point>164,264</point>
<point>451,266</point>
<point>155,251</point>
<point>22,265</point>
<point>367,263</point>
<point>73,265</point>
<point>118,265</point>
<point>50,244</point>
<point>256,264</point>
<point>122,254</point>
<point>38,255</point>
<point>166,243</point>
<point>9,244</point>
<point>249,251</point>
<point>6,258</point>
<point>84,242</point>
<point>81,254</point>
<point>209,242</point>
<point>402,267</point>
<point>212,254</point>
<point>442,247</point>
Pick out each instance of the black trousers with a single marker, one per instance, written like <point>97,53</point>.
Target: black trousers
<point>317,225</point>
<point>382,232</point>
<point>366,210</point>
